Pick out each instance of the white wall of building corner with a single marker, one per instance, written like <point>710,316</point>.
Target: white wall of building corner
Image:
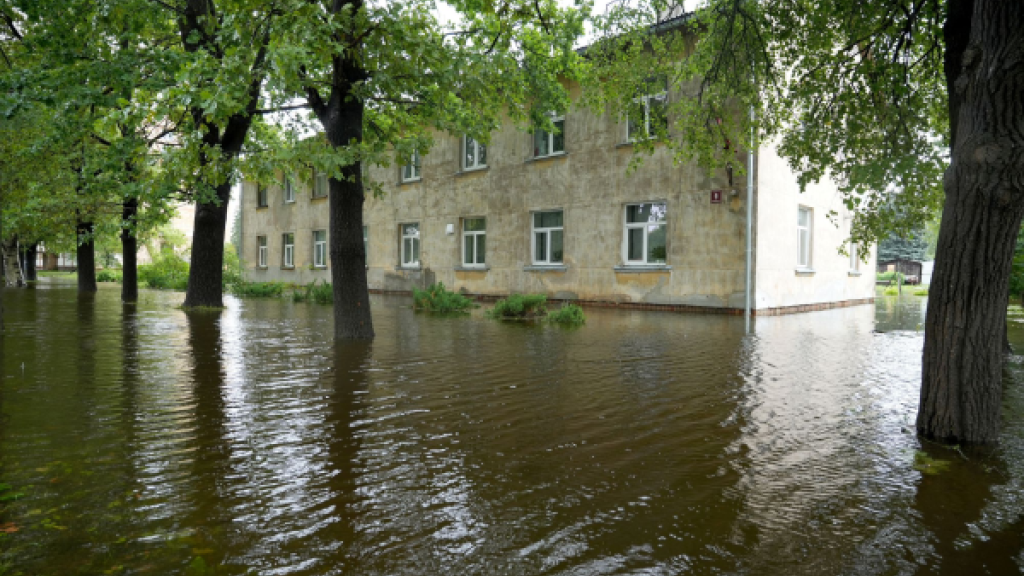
<point>778,283</point>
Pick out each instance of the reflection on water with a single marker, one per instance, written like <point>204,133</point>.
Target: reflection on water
<point>151,441</point>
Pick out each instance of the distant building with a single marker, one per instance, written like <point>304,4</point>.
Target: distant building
<point>559,215</point>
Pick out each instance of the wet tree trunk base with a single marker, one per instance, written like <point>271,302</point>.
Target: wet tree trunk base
<point>129,251</point>
<point>965,327</point>
<point>86,257</point>
<point>206,274</point>
<point>352,318</point>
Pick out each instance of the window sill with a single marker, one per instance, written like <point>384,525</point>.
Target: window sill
<point>640,268</point>
<point>805,271</point>
<point>318,197</point>
<point>412,181</point>
<point>408,268</point>
<point>554,156</point>
<point>319,267</point>
<point>483,268</point>
<point>546,268</point>
<point>262,268</point>
<point>289,202</point>
<point>854,273</point>
<point>468,171</point>
<point>262,207</point>
<point>287,267</point>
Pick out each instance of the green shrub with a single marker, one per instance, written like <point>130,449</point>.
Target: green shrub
<point>232,279</point>
<point>321,293</point>
<point>921,291</point>
<point>265,289</point>
<point>891,291</point>
<point>168,271</point>
<point>109,275</point>
<point>437,298</point>
<point>520,306</point>
<point>894,277</point>
<point>569,314</point>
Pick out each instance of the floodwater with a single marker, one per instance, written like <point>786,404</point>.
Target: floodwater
<point>144,440</point>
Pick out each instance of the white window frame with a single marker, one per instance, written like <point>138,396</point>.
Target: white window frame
<point>288,250</point>
<point>854,257</point>
<point>262,196</point>
<point>646,226</point>
<point>555,118</point>
<point>478,164</point>
<point>546,230</point>
<point>289,191</point>
<point>262,250</point>
<point>366,243</point>
<point>645,102</point>
<point>321,184</point>
<point>474,236</point>
<point>412,170</point>
<point>805,238</point>
<point>320,249</point>
<point>415,248</point>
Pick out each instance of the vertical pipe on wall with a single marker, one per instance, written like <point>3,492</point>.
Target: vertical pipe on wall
<point>750,218</point>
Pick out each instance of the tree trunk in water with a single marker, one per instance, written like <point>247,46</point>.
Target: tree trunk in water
<point>206,275</point>
<point>86,257</point>
<point>12,272</point>
<point>965,328</point>
<point>31,253</point>
<point>129,252</point>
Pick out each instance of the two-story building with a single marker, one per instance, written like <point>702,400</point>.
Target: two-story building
<point>560,214</point>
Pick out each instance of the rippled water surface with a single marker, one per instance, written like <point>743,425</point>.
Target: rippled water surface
<point>144,440</point>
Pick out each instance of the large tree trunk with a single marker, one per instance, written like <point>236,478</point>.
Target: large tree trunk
<point>31,253</point>
<point>12,271</point>
<point>86,257</point>
<point>961,389</point>
<point>129,251</point>
<point>342,118</point>
<point>206,275</point>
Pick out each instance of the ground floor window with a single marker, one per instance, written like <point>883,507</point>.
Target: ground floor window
<point>547,237</point>
<point>645,233</point>
<point>261,250</point>
<point>288,254</point>
<point>803,237</point>
<point>320,248</point>
<point>474,241</point>
<point>410,244</point>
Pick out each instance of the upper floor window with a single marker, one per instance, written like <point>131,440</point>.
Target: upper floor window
<point>548,143</point>
<point>411,170</point>
<point>320,248</point>
<point>320,185</point>
<point>410,244</point>
<point>474,241</point>
<point>261,196</point>
<point>547,237</point>
<point>474,154</point>
<point>804,219</point>
<point>645,234</point>
<point>648,114</point>
<point>289,190</point>
<point>288,254</point>
<point>261,250</point>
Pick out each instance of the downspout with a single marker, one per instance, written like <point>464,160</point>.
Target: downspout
<point>750,220</point>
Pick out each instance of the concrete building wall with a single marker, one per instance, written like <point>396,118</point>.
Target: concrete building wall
<point>591,184</point>
<point>831,277</point>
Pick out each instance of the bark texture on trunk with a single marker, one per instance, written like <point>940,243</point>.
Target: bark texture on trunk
<point>206,275</point>
<point>86,257</point>
<point>12,274</point>
<point>31,253</point>
<point>342,117</point>
<point>129,251</point>
<point>961,389</point>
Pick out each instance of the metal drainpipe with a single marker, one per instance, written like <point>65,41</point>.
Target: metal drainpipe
<point>750,218</point>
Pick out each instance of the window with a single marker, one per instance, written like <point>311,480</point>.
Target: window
<point>854,257</point>
<point>261,196</point>
<point>803,237</point>
<point>288,255</point>
<point>474,154</point>
<point>474,241</point>
<point>289,190</point>
<point>410,244</point>
<point>320,248</point>
<point>547,143</point>
<point>411,171</point>
<point>547,237</point>
<point>648,114</point>
<point>645,234</point>
<point>320,185</point>
<point>261,250</point>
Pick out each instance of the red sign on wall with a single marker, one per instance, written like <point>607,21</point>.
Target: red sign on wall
<point>716,196</point>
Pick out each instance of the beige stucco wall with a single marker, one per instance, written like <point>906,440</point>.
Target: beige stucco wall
<point>778,282</point>
<point>590,183</point>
